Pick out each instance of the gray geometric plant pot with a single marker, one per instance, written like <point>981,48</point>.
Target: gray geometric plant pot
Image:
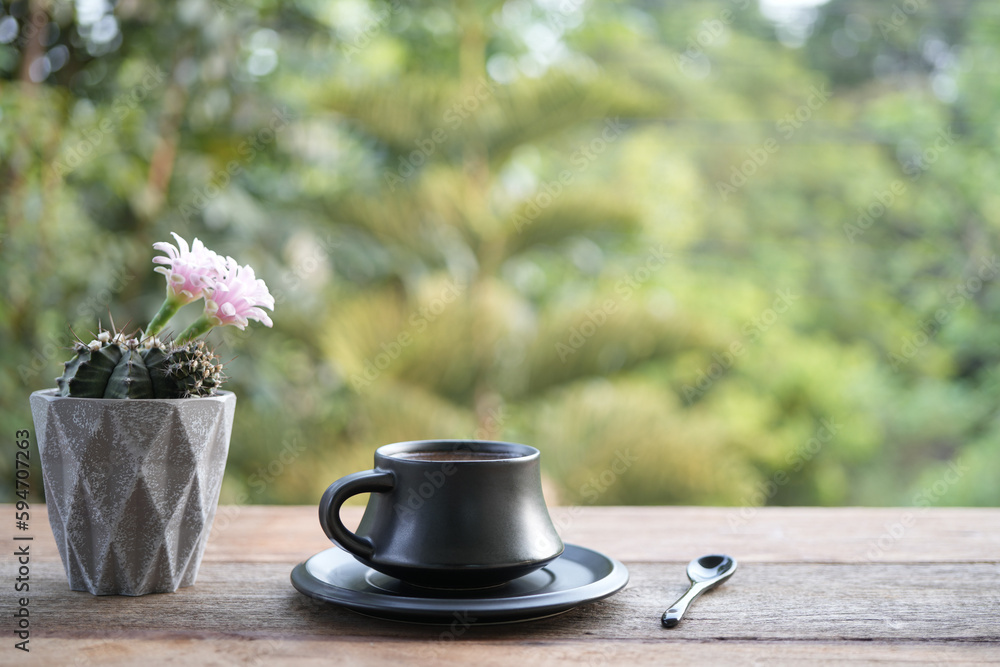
<point>132,486</point>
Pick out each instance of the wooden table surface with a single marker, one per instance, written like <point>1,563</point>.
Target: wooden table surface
<point>814,584</point>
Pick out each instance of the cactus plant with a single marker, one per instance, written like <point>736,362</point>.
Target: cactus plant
<point>133,485</point>
<point>117,366</point>
<point>141,365</point>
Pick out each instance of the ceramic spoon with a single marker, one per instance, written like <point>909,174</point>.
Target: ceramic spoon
<point>705,574</point>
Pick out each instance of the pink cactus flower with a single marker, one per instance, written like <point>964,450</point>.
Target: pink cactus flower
<point>236,297</point>
<point>190,272</point>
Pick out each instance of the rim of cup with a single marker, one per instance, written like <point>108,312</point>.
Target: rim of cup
<point>522,453</point>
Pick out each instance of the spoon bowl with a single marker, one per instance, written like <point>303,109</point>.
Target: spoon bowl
<point>711,567</point>
<point>705,574</point>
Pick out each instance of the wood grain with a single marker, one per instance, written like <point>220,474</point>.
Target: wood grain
<point>807,589</point>
<point>403,653</point>
<point>780,602</point>
<point>766,534</point>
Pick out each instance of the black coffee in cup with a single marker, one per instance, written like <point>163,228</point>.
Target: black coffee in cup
<point>455,455</point>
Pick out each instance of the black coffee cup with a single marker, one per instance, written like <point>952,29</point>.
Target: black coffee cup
<point>447,513</point>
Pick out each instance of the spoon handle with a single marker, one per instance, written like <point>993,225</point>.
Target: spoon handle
<point>673,616</point>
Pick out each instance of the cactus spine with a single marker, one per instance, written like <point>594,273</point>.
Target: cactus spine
<point>116,366</point>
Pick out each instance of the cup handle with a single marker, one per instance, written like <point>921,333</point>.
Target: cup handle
<point>369,481</point>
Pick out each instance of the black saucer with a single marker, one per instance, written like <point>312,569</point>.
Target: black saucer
<point>578,576</point>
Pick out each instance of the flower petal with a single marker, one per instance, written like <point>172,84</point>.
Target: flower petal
<point>236,296</point>
<point>192,269</point>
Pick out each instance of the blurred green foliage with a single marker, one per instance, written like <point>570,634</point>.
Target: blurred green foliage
<point>693,251</point>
